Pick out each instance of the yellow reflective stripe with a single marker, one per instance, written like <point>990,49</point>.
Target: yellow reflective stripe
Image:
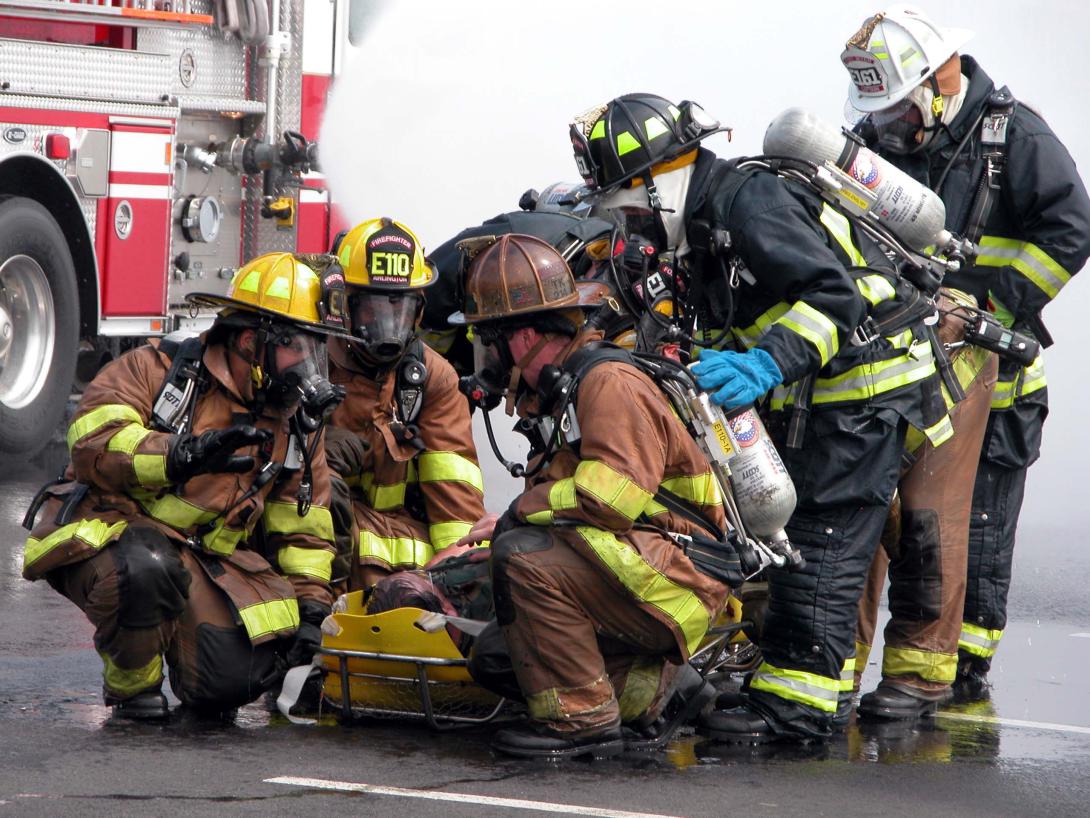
<point>221,539</point>
<point>1025,382</point>
<point>649,586</point>
<point>700,489</point>
<point>750,335</point>
<point>386,498</point>
<point>561,498</point>
<point>283,518</point>
<point>841,230</point>
<point>875,289</point>
<point>931,667</point>
<point>311,562</point>
<point>543,517</point>
<point>95,533</point>
<point>979,641</point>
<point>819,692</point>
<point>263,618</point>
<point>394,551</point>
<point>444,534</point>
<point>128,439</point>
<point>862,654</point>
<point>640,686</point>
<point>939,433</point>
<point>626,143</point>
<point>608,485</point>
<point>868,380</point>
<point>151,470</point>
<point>1025,257</point>
<point>847,675</point>
<point>173,510</point>
<point>124,683</point>
<point>436,466</point>
<point>814,326</point>
<point>99,417</point>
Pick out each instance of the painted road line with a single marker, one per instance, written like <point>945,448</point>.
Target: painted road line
<point>1039,725</point>
<point>461,798</point>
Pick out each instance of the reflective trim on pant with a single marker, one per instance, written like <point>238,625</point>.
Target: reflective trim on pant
<point>819,692</point>
<point>124,683</point>
<point>641,683</point>
<point>94,533</point>
<point>847,675</point>
<point>931,667</point>
<point>979,641</point>
<point>645,583</point>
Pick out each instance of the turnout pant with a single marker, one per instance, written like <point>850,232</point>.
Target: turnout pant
<point>1011,445</point>
<point>148,598</point>
<point>585,655</point>
<point>926,549</point>
<point>845,473</point>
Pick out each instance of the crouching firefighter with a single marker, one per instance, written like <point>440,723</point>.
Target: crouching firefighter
<point>402,439</point>
<point>783,279</point>
<point>193,520</point>
<point>597,600</point>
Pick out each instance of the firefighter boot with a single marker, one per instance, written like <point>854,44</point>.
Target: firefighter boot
<point>971,683</point>
<point>893,702</point>
<point>150,705</point>
<point>538,741</point>
<point>692,693</point>
<point>739,725</point>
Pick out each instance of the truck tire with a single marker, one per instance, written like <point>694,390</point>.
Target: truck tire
<point>39,325</point>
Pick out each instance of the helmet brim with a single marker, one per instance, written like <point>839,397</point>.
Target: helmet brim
<point>221,301</point>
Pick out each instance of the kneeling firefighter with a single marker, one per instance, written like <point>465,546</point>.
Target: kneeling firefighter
<point>401,439</point>
<point>599,605</point>
<point>193,520</point>
<point>783,279</point>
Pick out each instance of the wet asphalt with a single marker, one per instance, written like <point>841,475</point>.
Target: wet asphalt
<point>1024,752</point>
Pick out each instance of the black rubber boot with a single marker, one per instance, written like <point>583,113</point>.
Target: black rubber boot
<point>971,683</point>
<point>692,694</point>
<point>894,703</point>
<point>534,741</point>
<point>151,705</point>
<point>739,725</point>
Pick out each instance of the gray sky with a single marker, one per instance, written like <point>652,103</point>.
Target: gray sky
<point>450,110</point>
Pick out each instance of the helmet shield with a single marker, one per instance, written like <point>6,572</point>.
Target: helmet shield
<point>384,322</point>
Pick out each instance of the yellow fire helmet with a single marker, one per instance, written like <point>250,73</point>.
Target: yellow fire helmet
<point>303,290</point>
<point>381,254</point>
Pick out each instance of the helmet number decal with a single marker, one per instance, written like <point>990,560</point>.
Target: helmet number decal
<point>868,80</point>
<point>390,268</point>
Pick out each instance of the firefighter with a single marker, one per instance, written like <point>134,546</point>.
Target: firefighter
<point>1010,186</point>
<point>402,438</point>
<point>792,281</point>
<point>193,521</point>
<point>600,612</point>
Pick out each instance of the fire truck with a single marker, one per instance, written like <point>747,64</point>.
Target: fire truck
<point>147,149</point>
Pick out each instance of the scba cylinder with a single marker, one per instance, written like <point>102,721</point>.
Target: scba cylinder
<point>911,210</point>
<point>762,487</point>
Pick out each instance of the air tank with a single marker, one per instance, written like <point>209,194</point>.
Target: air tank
<point>869,184</point>
<point>762,487</point>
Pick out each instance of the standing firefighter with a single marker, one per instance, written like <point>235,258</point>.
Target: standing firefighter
<point>402,438</point>
<point>599,607</point>
<point>1011,187</point>
<point>791,280</point>
<point>193,521</point>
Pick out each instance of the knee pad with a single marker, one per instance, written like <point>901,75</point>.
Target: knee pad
<point>153,584</point>
<point>228,670</point>
<point>522,540</point>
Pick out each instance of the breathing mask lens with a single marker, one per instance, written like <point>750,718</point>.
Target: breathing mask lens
<point>384,322</point>
<point>899,127</point>
<point>296,362</point>
<point>492,362</point>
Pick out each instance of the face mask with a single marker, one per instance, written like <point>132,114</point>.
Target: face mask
<point>669,223</point>
<point>385,323</point>
<point>296,364</point>
<point>492,362</point>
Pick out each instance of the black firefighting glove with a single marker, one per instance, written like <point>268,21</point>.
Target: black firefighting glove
<point>212,452</point>
<point>308,638</point>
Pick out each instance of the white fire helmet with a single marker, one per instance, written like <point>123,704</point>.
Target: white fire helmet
<point>893,53</point>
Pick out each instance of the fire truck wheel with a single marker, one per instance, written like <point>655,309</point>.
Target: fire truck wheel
<point>39,325</point>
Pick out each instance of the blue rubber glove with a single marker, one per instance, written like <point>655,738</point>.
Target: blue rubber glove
<point>738,378</point>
